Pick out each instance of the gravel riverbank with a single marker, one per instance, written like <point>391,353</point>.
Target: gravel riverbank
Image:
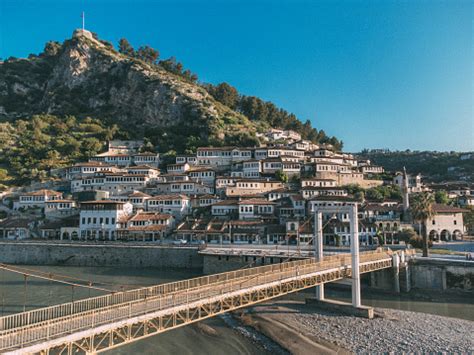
<point>391,330</point>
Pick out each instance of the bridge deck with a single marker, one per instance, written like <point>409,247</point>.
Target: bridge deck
<point>101,323</point>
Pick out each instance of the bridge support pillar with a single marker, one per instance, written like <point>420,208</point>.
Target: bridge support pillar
<point>396,273</point>
<point>354,226</point>
<point>318,248</point>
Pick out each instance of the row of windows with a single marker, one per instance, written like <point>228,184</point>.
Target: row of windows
<point>188,187</point>
<point>164,202</point>
<point>59,205</point>
<point>252,174</point>
<point>101,220</point>
<point>317,183</point>
<point>251,165</point>
<point>133,179</point>
<point>147,223</point>
<point>221,210</point>
<point>34,198</point>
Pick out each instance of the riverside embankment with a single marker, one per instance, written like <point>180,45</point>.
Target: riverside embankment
<point>100,254</point>
<point>303,330</point>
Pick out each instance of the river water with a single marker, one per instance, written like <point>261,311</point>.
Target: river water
<point>217,336</point>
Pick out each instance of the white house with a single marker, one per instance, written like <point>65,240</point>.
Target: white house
<point>177,205</point>
<point>446,224</point>
<point>177,168</point>
<point>148,226</point>
<point>88,168</point>
<point>37,198</point>
<point>60,208</point>
<point>225,208</point>
<point>414,182</point>
<point>102,219</point>
<point>255,207</point>
<point>202,174</point>
<point>251,168</point>
<point>146,158</point>
<point>252,187</point>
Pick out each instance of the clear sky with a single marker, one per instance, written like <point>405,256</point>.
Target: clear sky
<point>377,74</point>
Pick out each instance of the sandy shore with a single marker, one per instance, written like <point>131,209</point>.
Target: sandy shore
<point>301,330</point>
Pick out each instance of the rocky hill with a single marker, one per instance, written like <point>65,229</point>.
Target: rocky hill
<point>87,77</point>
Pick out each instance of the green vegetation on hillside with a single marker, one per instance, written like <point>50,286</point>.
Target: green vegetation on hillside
<point>375,194</point>
<point>29,149</point>
<point>94,92</point>
<point>252,107</point>
<point>434,166</point>
<point>258,110</point>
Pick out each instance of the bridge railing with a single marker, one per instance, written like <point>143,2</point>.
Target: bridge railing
<point>238,281</point>
<point>99,302</point>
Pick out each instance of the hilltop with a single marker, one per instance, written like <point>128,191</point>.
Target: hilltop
<point>88,77</point>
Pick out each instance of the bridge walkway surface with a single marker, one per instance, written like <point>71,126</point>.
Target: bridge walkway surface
<point>102,323</point>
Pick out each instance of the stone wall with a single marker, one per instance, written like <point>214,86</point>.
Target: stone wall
<point>87,254</point>
<point>442,274</point>
<point>426,274</point>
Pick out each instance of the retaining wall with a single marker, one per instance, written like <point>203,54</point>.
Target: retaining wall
<point>85,254</point>
<point>442,274</point>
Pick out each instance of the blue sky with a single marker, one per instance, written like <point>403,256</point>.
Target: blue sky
<point>377,74</point>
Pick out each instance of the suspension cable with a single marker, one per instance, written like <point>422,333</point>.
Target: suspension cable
<point>4,267</point>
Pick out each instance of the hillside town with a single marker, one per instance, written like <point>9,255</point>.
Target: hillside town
<point>227,195</point>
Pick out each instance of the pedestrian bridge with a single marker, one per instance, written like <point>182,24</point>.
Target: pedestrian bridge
<point>102,323</point>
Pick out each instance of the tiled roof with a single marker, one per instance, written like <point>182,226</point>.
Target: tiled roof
<point>256,201</point>
<point>15,223</point>
<point>439,208</point>
<point>102,202</point>
<point>139,194</point>
<point>334,198</point>
<point>226,203</point>
<point>149,216</point>
<point>149,228</point>
<point>42,193</point>
<point>92,164</point>
<point>169,197</point>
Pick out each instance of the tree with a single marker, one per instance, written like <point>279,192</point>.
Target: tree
<point>148,54</point>
<point>225,94</point>
<point>125,47</point>
<point>51,48</point>
<point>468,218</point>
<point>281,176</point>
<point>421,208</point>
<point>406,234</point>
<point>441,197</point>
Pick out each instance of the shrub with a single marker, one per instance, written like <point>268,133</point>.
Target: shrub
<point>417,242</point>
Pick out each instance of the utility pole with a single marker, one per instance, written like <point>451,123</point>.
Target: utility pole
<point>83,21</point>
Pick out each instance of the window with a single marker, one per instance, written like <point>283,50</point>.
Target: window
<point>433,222</point>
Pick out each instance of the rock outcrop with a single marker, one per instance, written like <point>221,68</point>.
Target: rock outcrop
<point>88,77</point>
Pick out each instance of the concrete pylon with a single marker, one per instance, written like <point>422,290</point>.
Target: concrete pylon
<point>318,247</point>
<point>354,225</point>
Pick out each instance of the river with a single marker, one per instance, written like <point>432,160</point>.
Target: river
<point>225,339</point>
